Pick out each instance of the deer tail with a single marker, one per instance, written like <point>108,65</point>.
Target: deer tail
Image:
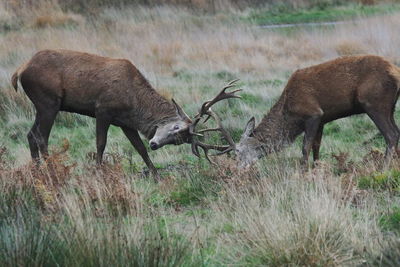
<point>14,80</point>
<point>16,75</point>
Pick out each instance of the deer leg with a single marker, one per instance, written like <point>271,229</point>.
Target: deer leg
<point>102,125</point>
<point>38,136</point>
<point>33,145</point>
<point>311,129</point>
<point>45,123</point>
<point>394,125</point>
<point>389,131</point>
<point>317,143</point>
<point>137,143</point>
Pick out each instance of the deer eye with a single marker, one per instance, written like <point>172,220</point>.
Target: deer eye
<point>176,127</point>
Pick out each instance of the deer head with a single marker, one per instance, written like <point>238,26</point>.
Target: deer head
<point>175,131</point>
<point>249,148</point>
<point>181,129</point>
<point>247,151</point>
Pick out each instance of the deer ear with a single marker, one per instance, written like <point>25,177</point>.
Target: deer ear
<point>180,112</point>
<point>250,127</point>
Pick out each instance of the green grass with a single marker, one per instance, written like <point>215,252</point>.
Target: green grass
<point>330,13</point>
<point>391,220</point>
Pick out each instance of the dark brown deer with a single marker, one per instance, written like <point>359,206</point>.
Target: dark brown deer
<point>111,90</point>
<point>322,93</point>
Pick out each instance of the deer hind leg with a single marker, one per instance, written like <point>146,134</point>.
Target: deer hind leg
<point>33,144</point>
<point>137,143</point>
<point>45,123</point>
<point>388,129</point>
<point>317,142</point>
<point>38,136</point>
<point>380,110</point>
<point>312,126</point>
<point>102,124</point>
<point>394,125</point>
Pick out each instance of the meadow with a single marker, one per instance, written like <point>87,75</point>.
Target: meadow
<point>343,212</point>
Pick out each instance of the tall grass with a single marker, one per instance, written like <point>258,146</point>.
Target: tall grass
<point>295,222</point>
<point>100,217</point>
<point>51,217</point>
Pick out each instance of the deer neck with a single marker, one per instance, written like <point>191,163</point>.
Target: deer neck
<point>150,109</point>
<point>277,128</point>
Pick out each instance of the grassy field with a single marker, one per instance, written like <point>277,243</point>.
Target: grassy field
<point>344,212</point>
<point>283,15</point>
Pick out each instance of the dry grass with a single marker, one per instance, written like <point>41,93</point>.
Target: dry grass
<point>348,48</point>
<point>56,20</point>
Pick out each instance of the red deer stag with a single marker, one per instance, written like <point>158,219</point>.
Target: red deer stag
<point>111,90</point>
<point>322,93</point>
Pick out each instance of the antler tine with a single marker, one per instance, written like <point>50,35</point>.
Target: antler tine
<point>220,128</point>
<point>206,110</point>
<point>220,96</point>
<point>229,149</point>
<point>193,126</point>
<point>233,81</point>
<point>206,147</point>
<point>206,105</point>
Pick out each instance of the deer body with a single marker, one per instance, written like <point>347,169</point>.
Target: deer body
<point>322,93</point>
<point>111,90</point>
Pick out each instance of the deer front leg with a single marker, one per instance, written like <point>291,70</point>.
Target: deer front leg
<point>311,129</point>
<point>317,143</point>
<point>137,143</point>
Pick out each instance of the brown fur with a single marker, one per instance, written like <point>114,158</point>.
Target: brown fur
<point>111,90</point>
<point>322,93</point>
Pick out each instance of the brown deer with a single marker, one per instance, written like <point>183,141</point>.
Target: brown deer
<point>111,90</point>
<point>322,93</point>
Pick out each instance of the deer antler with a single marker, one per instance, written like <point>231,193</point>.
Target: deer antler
<point>206,110</point>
